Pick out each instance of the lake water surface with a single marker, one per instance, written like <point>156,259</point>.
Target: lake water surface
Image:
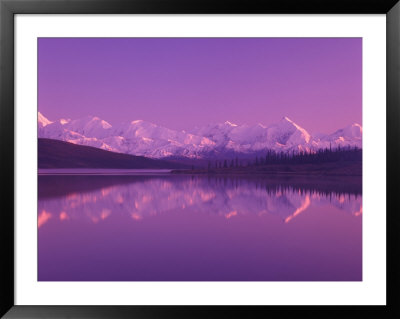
<point>165,227</point>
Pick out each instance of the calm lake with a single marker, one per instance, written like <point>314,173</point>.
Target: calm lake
<point>166,227</point>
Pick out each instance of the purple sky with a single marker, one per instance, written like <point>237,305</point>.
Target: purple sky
<point>185,82</point>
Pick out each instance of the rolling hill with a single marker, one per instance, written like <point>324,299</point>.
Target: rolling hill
<point>60,154</point>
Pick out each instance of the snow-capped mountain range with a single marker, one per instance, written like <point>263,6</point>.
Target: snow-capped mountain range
<point>147,139</point>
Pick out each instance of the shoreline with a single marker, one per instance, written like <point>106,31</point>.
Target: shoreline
<point>101,171</point>
<point>340,168</point>
<point>261,173</point>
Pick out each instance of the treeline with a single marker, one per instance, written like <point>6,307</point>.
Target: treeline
<point>329,186</point>
<point>301,157</point>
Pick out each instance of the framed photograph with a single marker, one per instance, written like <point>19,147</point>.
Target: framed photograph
<point>165,159</point>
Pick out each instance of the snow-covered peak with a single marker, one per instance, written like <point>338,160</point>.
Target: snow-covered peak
<point>89,126</point>
<point>286,119</point>
<point>64,121</point>
<point>139,137</point>
<point>248,134</point>
<point>353,130</point>
<point>217,132</point>
<point>230,123</point>
<point>287,122</point>
<point>349,132</point>
<point>137,122</point>
<point>348,136</point>
<point>42,120</point>
<point>261,125</point>
<point>139,128</point>
<point>287,131</point>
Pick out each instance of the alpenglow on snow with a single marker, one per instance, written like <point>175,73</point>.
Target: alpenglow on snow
<point>147,139</point>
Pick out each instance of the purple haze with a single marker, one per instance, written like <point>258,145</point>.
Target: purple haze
<point>185,82</point>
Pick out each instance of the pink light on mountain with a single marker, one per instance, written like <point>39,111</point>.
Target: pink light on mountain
<point>151,140</point>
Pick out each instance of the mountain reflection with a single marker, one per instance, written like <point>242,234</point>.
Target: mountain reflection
<point>96,198</point>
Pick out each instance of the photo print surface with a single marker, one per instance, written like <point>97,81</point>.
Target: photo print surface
<point>199,159</point>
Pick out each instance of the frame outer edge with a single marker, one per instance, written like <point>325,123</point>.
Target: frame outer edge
<point>392,153</point>
<point>7,155</point>
<point>7,145</point>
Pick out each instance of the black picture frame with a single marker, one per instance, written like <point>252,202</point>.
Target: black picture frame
<point>8,9</point>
